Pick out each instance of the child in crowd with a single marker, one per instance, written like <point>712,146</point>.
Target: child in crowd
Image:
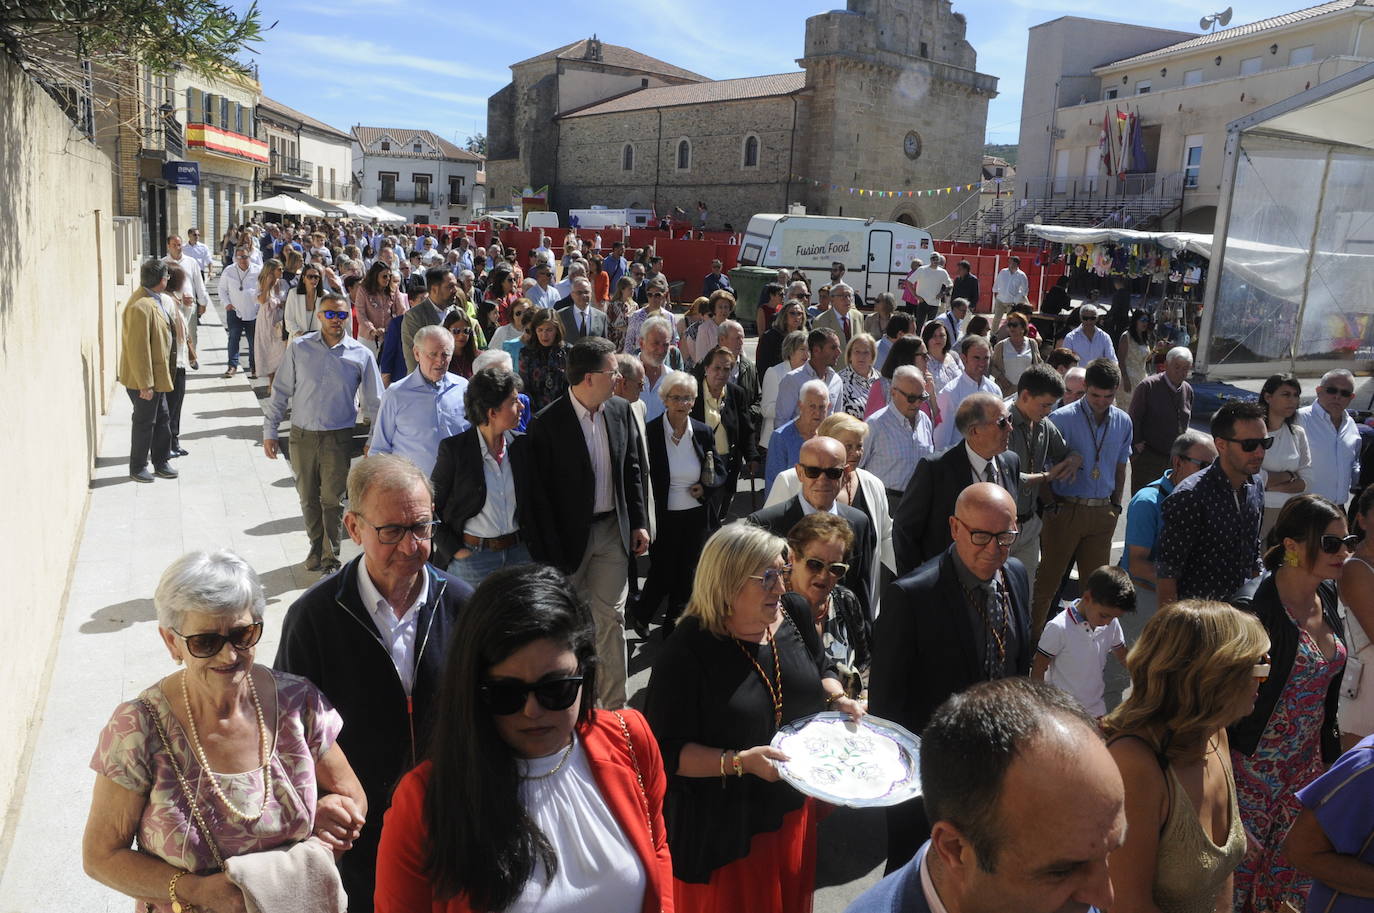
<point>1074,645</point>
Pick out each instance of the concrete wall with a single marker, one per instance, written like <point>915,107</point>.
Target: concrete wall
<point>583,82</point>
<point>58,353</point>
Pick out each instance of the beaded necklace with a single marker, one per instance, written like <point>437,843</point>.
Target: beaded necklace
<point>264,749</point>
<point>775,686</point>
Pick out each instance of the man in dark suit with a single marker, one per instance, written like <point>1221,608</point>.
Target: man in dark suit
<point>582,508</point>
<point>820,467</point>
<point>920,528</point>
<point>960,618</point>
<point>580,319</point>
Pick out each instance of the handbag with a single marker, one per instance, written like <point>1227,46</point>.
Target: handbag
<point>639,775</point>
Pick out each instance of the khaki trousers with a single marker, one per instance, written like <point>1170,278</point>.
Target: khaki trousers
<point>320,460</point>
<point>602,579</point>
<point>1027,547</point>
<point>1074,533</point>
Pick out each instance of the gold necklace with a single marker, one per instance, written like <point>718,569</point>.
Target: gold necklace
<point>567,753</point>
<point>263,749</point>
<point>773,685</point>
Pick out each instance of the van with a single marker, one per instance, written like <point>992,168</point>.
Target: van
<point>876,255</point>
<point>541,218</point>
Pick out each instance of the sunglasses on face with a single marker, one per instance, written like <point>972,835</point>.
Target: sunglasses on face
<point>204,646</point>
<point>773,576</point>
<point>836,570</point>
<point>1339,391</point>
<point>334,315</point>
<point>506,696</point>
<point>1002,423</point>
<point>1249,444</point>
<point>1333,544</point>
<point>913,397</point>
<point>833,473</point>
<point>1090,317</point>
<point>1201,464</point>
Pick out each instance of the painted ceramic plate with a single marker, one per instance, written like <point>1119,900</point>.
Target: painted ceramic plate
<point>869,763</point>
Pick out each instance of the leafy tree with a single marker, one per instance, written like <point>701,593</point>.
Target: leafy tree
<point>477,144</point>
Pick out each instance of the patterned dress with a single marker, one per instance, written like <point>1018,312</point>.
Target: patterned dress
<point>854,398</point>
<point>131,754</point>
<point>1287,758</point>
<point>542,370</point>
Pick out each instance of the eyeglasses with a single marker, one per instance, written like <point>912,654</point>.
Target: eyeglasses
<point>1339,391</point>
<point>836,570</point>
<point>393,533</point>
<point>506,696</point>
<point>1002,423</point>
<point>1201,464</point>
<point>980,537</point>
<point>833,473</point>
<point>1089,318</point>
<point>1261,669</point>
<point>655,294</point>
<point>333,315</point>
<point>204,646</point>
<point>773,576</point>
<point>678,398</point>
<point>911,397</point>
<point>1250,443</point>
<point>1333,544</point>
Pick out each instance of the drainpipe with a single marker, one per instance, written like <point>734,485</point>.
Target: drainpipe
<point>791,145</point>
<point>658,157</point>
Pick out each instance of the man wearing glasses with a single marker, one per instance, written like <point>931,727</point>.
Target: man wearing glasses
<point>543,294</point>
<point>373,639</point>
<point>961,618</point>
<point>1209,544</point>
<point>1161,408</point>
<point>321,378</point>
<point>1086,340</point>
<point>1333,437</point>
<point>899,434</point>
<point>819,469</point>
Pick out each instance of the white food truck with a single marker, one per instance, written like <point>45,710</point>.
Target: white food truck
<point>877,255</point>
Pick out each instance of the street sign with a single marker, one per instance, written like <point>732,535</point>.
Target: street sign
<point>184,174</point>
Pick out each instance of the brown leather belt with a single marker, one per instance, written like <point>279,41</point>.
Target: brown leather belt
<point>500,543</point>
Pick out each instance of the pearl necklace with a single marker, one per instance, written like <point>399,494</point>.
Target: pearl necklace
<point>264,748</point>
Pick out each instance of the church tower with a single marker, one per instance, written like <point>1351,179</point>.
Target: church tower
<point>894,102</point>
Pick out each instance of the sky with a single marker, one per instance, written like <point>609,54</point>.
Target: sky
<point>419,64</point>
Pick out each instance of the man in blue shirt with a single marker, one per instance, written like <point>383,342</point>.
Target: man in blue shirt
<point>614,265</point>
<point>715,280</point>
<point>1079,527</point>
<point>1000,763</point>
<point>423,408</point>
<point>1192,451</point>
<point>321,378</point>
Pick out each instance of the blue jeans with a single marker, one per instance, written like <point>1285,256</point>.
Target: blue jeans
<point>238,328</point>
<point>476,567</point>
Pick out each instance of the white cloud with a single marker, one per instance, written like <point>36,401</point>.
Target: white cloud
<point>361,53</point>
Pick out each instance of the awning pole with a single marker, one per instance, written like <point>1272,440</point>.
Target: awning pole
<point>1311,254</point>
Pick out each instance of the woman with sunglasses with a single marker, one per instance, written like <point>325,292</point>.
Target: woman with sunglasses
<point>501,292</point>
<point>1195,669</point>
<point>464,345</point>
<point>1356,588</point>
<point>909,350</point>
<point>1013,355</point>
<point>1292,735</point>
<point>544,359</point>
<point>376,300</point>
<point>791,318</point>
<point>944,363</point>
<point>301,317</point>
<point>270,329</point>
<point>221,758</point>
<point>820,546</point>
<point>620,309</point>
<point>530,799</point>
<point>737,668</point>
<point>1288,463</point>
<point>1135,353</point>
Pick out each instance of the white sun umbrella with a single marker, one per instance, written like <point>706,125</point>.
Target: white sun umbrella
<point>356,210</point>
<point>385,215</point>
<point>284,205</point>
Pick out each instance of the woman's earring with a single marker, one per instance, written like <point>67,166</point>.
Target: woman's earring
<point>1290,558</point>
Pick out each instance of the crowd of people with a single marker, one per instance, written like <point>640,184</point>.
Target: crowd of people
<point>447,713</point>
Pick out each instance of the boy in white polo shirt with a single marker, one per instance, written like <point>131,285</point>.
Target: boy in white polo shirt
<point>1074,645</point>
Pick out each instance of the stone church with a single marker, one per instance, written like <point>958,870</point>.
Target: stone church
<point>888,98</point>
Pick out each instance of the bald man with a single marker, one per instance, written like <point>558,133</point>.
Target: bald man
<point>820,469</point>
<point>951,623</point>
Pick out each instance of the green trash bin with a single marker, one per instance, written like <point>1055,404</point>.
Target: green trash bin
<point>748,282</point>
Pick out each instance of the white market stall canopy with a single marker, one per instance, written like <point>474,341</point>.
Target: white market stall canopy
<point>1170,240</point>
<point>355,210</point>
<point>384,215</point>
<point>281,204</point>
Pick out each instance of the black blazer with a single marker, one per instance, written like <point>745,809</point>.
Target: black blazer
<point>1283,650</point>
<point>779,518</point>
<point>703,442</point>
<point>740,429</point>
<point>920,528</point>
<point>460,489</point>
<point>556,478</point>
<point>923,646</point>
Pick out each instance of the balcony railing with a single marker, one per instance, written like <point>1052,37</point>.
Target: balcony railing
<point>413,197</point>
<point>336,190</point>
<point>285,168</point>
<point>1106,187</point>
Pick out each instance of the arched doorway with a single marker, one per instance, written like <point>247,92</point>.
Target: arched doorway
<point>905,219</point>
<point>907,214</point>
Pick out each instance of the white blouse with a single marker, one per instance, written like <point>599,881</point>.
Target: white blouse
<point>684,468</point>
<point>598,869</point>
<point>1290,453</point>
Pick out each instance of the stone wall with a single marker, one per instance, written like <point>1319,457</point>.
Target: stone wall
<point>58,354</point>
<point>591,155</point>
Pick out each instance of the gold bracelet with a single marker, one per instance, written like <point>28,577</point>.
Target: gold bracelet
<point>833,698</point>
<point>723,753</point>
<point>177,905</point>
<point>738,764</point>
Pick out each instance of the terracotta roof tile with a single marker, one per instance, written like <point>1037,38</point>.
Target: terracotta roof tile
<point>405,138</point>
<point>274,105</point>
<point>698,93</point>
<point>616,56</point>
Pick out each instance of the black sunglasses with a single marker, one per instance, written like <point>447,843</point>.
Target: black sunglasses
<point>1339,391</point>
<point>1250,443</point>
<point>832,473</point>
<point>1002,423</point>
<point>912,397</point>
<point>837,570</point>
<point>204,646</point>
<point>506,696</point>
<point>1333,544</point>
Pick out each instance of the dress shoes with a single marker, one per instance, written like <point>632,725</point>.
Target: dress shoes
<point>165,472</point>
<point>143,475</point>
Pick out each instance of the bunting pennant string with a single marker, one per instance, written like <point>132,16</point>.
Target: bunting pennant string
<point>985,185</point>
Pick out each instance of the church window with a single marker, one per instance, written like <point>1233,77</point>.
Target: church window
<point>684,155</point>
<point>627,158</point>
<point>751,151</point>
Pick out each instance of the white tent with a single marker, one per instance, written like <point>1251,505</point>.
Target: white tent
<point>355,210</point>
<point>385,215</point>
<point>284,205</point>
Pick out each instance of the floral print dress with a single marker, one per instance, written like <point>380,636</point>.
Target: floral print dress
<point>1287,758</point>
<point>131,754</point>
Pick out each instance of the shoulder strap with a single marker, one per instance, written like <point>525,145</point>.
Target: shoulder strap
<point>639,774</point>
<point>186,789</point>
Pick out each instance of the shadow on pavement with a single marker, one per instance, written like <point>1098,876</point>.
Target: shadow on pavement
<point>119,616</point>
<point>246,412</point>
<point>294,524</point>
<point>852,842</point>
<point>286,579</point>
<point>237,433</point>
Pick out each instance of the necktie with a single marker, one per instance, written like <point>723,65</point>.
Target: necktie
<point>844,324</point>
<point>581,324</point>
<point>988,474</point>
<point>997,626</point>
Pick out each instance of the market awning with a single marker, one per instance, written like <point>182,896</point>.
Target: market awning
<point>1169,240</point>
<point>331,210</point>
<point>284,205</point>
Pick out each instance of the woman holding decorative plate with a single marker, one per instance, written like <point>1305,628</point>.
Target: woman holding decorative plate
<point>738,668</point>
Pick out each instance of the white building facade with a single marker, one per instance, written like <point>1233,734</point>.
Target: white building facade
<point>415,173</point>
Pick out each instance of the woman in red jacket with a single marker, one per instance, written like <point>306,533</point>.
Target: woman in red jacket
<point>530,799</point>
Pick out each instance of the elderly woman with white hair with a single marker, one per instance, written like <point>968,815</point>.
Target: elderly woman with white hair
<point>218,760</point>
